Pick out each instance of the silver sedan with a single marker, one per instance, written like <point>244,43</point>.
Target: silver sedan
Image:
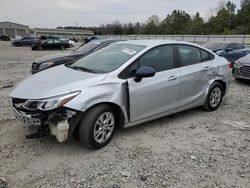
<point>122,85</point>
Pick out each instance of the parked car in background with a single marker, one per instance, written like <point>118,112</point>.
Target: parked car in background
<point>4,38</point>
<point>50,44</point>
<point>241,68</point>
<point>90,38</point>
<point>25,41</point>
<point>226,49</point>
<point>70,42</point>
<point>66,57</point>
<point>125,84</point>
<point>236,54</point>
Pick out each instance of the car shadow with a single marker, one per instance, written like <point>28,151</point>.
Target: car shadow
<point>243,82</point>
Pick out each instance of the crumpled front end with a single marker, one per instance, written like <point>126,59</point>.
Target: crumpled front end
<point>59,122</point>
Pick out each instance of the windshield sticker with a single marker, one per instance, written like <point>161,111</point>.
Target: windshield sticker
<point>129,51</point>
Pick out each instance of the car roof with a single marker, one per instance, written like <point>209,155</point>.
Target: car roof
<point>104,40</point>
<point>152,43</point>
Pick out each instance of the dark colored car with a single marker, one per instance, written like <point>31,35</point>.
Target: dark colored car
<point>48,37</point>
<point>4,38</point>
<point>231,51</point>
<point>62,58</point>
<point>90,38</point>
<point>241,68</point>
<point>50,44</point>
<point>25,41</point>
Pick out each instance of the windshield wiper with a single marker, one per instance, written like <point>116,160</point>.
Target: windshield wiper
<point>83,69</point>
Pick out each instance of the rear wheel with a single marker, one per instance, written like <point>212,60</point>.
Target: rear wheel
<point>214,97</point>
<point>40,48</point>
<point>97,126</point>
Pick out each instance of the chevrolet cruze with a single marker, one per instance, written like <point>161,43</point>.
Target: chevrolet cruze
<point>122,85</point>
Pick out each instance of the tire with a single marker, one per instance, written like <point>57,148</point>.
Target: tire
<point>39,48</point>
<point>214,97</point>
<point>17,44</point>
<point>62,48</point>
<point>92,129</point>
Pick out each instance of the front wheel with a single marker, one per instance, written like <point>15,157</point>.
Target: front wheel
<point>214,97</point>
<point>97,126</point>
<point>62,48</point>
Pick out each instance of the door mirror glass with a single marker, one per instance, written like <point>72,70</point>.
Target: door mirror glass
<point>144,72</point>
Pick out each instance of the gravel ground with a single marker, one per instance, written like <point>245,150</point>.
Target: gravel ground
<point>190,149</point>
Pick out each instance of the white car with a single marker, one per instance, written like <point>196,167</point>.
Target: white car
<point>71,42</point>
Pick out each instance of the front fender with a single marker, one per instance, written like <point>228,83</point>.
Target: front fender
<point>113,93</point>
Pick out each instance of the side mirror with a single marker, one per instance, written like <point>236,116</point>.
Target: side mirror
<point>144,72</point>
<point>229,49</point>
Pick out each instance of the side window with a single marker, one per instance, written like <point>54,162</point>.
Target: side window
<point>160,58</point>
<point>57,41</point>
<point>206,56</point>
<point>50,42</point>
<point>189,55</point>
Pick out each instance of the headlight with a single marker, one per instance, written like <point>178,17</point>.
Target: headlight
<point>49,103</point>
<point>46,65</point>
<point>237,64</point>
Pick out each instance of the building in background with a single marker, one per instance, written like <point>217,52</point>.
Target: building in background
<point>63,33</point>
<point>13,29</point>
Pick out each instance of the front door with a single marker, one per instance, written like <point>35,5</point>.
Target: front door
<point>156,95</point>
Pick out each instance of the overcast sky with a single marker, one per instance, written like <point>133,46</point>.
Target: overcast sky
<point>53,13</point>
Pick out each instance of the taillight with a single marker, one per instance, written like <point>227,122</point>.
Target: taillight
<point>230,65</point>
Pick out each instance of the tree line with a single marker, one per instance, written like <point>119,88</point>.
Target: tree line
<point>226,20</point>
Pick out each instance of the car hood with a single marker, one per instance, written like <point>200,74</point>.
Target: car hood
<point>245,60</point>
<point>55,56</point>
<point>55,81</point>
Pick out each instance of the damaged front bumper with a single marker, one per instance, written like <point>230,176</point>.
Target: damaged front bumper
<point>60,122</point>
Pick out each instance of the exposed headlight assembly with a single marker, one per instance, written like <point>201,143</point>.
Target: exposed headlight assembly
<point>46,65</point>
<point>49,103</point>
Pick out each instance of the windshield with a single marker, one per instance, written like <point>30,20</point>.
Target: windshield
<point>107,59</point>
<point>88,47</point>
<point>215,45</point>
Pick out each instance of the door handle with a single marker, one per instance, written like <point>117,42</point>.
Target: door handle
<point>206,68</point>
<point>171,78</point>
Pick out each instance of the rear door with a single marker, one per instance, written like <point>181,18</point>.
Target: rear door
<point>58,44</point>
<point>49,44</point>
<point>158,94</point>
<point>195,72</point>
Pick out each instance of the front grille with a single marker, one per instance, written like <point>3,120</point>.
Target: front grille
<point>35,66</point>
<point>245,71</point>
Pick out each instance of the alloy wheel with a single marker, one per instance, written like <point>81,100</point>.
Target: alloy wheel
<point>104,127</point>
<point>215,97</point>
